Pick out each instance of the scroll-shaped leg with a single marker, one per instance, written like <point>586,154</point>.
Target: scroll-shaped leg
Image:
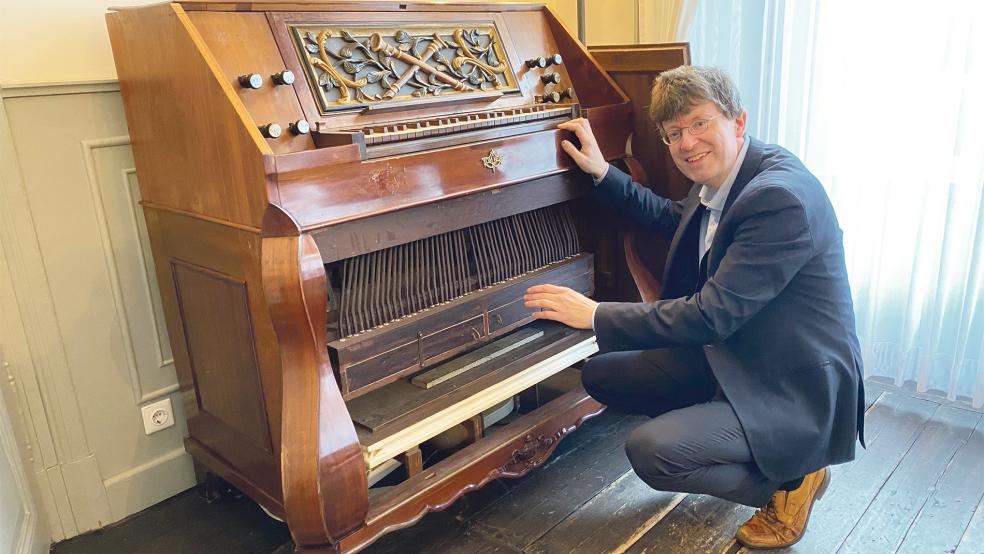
<point>323,473</point>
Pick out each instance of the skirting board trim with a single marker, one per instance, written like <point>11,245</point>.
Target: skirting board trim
<point>143,486</point>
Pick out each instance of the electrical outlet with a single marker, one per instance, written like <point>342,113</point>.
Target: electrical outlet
<point>157,416</point>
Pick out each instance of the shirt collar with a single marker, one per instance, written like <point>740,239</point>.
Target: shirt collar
<point>715,199</point>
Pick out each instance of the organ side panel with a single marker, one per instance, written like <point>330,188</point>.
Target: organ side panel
<point>193,141</point>
<point>226,353</point>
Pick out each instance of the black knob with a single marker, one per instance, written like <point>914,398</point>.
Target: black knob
<point>551,97</point>
<point>271,130</point>
<point>555,60</point>
<point>551,79</point>
<point>300,127</point>
<point>540,62</point>
<point>253,81</point>
<point>567,93</point>
<point>285,77</point>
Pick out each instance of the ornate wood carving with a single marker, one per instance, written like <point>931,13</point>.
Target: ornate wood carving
<point>365,65</point>
<point>533,452</point>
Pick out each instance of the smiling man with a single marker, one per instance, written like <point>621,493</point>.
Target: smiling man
<point>749,364</point>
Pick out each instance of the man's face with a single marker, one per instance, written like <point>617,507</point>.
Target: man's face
<point>708,157</point>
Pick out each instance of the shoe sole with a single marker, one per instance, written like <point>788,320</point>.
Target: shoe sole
<point>820,491</point>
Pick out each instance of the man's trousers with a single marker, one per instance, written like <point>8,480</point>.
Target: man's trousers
<point>694,442</point>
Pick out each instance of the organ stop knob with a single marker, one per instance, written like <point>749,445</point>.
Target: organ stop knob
<point>252,80</point>
<point>271,130</point>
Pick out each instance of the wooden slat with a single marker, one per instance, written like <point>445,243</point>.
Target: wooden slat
<point>403,401</point>
<point>872,392</point>
<point>884,524</point>
<point>550,495</point>
<point>972,541</point>
<point>611,521</point>
<point>698,524</point>
<point>389,444</point>
<point>475,358</point>
<point>945,515</point>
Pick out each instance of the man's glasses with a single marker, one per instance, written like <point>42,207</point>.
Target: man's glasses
<point>696,128</point>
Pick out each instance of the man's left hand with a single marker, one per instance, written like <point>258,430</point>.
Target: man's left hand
<point>561,304</point>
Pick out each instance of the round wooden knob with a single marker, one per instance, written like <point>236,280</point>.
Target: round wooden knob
<point>271,130</point>
<point>285,77</point>
<point>252,80</point>
<point>540,62</point>
<point>555,60</point>
<point>551,79</point>
<point>300,127</point>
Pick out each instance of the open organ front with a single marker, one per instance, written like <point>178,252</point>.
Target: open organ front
<point>346,202</point>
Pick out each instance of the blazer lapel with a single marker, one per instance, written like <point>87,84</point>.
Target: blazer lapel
<point>749,169</point>
<point>693,201</point>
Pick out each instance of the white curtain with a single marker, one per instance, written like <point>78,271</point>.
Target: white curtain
<point>884,102</point>
<point>665,20</point>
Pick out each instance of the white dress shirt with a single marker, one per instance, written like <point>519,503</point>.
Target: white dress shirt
<point>714,201</point>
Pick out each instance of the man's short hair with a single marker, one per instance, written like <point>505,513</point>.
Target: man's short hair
<point>676,91</point>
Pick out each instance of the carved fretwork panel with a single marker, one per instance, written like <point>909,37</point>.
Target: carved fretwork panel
<point>361,65</point>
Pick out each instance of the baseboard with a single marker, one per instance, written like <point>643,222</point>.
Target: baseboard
<point>143,486</point>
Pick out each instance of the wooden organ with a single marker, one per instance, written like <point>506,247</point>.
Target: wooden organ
<point>346,202</point>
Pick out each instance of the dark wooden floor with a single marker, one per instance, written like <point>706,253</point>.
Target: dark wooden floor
<point>917,488</point>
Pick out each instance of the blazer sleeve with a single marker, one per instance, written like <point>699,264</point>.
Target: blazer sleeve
<point>649,211</point>
<point>772,242</point>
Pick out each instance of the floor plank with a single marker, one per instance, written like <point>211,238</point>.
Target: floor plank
<point>945,516</point>
<point>699,524</point>
<point>611,521</point>
<point>972,541</point>
<point>883,526</point>
<point>548,497</point>
<point>872,392</point>
<point>186,523</point>
<point>892,426</point>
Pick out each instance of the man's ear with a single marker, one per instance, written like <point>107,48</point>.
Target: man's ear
<point>740,124</point>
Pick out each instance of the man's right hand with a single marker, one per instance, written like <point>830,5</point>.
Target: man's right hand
<point>589,157</point>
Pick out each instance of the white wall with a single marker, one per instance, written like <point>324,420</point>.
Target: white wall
<point>80,323</point>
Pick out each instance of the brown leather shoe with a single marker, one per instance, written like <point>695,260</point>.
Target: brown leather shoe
<point>782,522</point>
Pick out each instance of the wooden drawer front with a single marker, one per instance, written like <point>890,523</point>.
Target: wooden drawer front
<point>358,349</point>
<point>451,339</point>
<point>391,363</point>
<point>509,314</point>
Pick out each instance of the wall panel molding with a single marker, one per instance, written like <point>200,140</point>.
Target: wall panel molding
<point>56,89</point>
<point>126,252</point>
<point>27,538</point>
<point>49,406</point>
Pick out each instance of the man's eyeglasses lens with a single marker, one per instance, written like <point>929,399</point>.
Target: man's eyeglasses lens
<point>696,128</point>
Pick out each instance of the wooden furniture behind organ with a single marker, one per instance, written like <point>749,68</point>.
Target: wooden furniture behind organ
<point>341,196</point>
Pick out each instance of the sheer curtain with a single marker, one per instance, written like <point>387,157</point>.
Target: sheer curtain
<point>883,102</point>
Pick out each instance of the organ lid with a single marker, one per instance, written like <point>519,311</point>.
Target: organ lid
<point>343,5</point>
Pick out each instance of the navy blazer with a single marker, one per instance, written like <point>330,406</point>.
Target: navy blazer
<point>774,317</point>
